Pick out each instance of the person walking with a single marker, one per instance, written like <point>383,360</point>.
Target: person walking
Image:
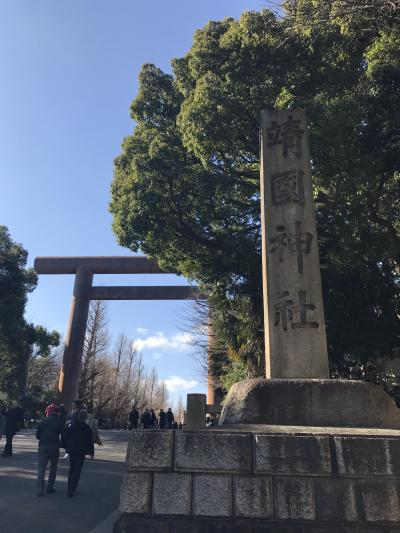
<point>163,419</point>
<point>14,422</point>
<point>78,443</point>
<point>153,419</point>
<point>146,419</point>
<point>50,408</point>
<point>133,418</point>
<point>48,434</point>
<point>72,415</point>
<point>170,418</point>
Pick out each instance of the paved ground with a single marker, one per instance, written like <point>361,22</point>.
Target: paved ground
<point>96,500</point>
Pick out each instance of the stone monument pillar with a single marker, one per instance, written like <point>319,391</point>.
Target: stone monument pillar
<point>295,341</point>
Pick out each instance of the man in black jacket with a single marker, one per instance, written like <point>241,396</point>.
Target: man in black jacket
<point>78,443</point>
<point>48,434</point>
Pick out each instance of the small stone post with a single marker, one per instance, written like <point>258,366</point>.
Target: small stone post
<point>196,411</point>
<point>295,341</point>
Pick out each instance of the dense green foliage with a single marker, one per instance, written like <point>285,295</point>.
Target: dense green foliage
<point>19,340</point>
<point>186,186</point>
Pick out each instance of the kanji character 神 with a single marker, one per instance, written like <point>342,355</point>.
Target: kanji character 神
<point>297,242</point>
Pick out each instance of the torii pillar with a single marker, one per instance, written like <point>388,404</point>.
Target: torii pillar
<point>75,337</point>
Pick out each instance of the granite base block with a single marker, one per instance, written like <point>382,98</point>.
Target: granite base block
<point>262,482</point>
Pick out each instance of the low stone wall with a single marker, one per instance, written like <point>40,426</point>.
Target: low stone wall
<point>213,480</point>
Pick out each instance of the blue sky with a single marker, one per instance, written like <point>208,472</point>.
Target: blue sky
<point>68,75</point>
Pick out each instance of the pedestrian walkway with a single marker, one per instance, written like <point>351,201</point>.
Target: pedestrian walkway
<point>96,499</point>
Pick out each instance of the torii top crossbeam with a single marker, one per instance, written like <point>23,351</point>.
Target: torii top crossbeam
<point>84,267</point>
<point>98,265</point>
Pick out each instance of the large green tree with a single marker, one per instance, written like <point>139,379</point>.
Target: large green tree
<point>186,185</point>
<point>18,338</point>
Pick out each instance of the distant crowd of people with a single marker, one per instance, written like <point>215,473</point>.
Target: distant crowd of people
<point>75,431</point>
<point>149,419</point>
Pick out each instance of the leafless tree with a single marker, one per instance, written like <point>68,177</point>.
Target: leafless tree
<point>179,410</point>
<point>95,347</point>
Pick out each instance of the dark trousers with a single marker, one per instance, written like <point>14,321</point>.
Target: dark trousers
<point>8,446</point>
<point>46,453</point>
<point>75,468</point>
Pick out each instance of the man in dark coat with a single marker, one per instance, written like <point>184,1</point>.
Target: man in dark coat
<point>14,422</point>
<point>48,434</point>
<point>163,419</point>
<point>133,419</point>
<point>170,418</point>
<point>153,419</point>
<point>146,420</point>
<point>78,443</point>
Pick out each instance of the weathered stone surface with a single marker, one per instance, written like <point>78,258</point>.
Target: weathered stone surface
<point>196,411</point>
<point>360,456</point>
<point>294,499</point>
<point>212,495</point>
<point>394,453</point>
<point>310,402</point>
<point>284,454</point>
<point>172,493</point>
<point>253,496</point>
<point>150,450</point>
<point>135,493</point>
<point>336,500</point>
<point>380,500</point>
<point>208,450</point>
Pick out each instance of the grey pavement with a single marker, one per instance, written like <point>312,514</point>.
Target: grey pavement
<point>92,510</point>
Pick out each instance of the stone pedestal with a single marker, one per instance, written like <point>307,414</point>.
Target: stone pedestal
<point>310,402</point>
<point>262,480</point>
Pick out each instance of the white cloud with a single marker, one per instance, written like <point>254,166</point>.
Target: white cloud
<point>181,338</point>
<point>142,331</point>
<point>175,383</point>
<point>180,341</point>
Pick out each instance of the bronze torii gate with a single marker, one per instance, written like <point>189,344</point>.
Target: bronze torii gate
<point>84,268</point>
